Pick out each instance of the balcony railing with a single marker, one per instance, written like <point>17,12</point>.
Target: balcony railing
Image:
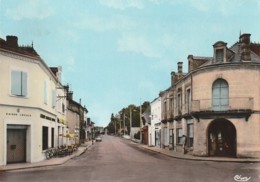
<point>232,104</point>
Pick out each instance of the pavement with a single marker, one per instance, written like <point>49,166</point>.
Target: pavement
<point>51,162</point>
<point>179,155</point>
<point>86,145</point>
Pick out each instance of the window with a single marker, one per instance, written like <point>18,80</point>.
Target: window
<point>179,135</point>
<point>54,97</point>
<point>165,109</point>
<point>220,95</point>
<point>63,108</point>
<point>19,83</point>
<point>188,101</point>
<point>179,103</point>
<point>44,138</point>
<point>171,137</point>
<point>45,92</point>
<point>190,135</point>
<point>219,55</point>
<point>52,137</point>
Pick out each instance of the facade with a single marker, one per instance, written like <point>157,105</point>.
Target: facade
<point>32,106</point>
<point>155,127</point>
<point>216,105</point>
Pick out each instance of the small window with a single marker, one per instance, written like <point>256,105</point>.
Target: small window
<point>19,83</point>
<point>219,55</point>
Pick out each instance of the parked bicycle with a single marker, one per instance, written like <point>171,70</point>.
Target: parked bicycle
<point>50,153</point>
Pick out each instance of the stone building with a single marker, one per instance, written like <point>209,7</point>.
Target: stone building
<point>215,107</point>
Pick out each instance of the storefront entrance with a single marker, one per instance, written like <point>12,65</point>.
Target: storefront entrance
<point>16,144</point>
<point>222,138</point>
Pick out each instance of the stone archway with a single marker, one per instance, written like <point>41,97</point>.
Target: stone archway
<point>221,138</point>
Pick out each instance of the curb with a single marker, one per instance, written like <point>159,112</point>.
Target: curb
<point>233,160</point>
<point>62,161</point>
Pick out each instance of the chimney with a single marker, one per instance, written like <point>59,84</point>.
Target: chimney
<point>244,39</point>
<point>172,78</point>
<point>180,67</point>
<point>12,41</point>
<point>70,95</point>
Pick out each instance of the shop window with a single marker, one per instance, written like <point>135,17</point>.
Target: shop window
<point>44,138</point>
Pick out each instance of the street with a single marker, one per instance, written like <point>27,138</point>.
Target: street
<point>115,159</point>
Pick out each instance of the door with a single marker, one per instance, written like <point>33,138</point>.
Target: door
<point>222,138</point>
<point>16,145</point>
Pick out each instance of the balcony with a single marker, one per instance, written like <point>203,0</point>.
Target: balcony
<point>231,108</point>
<point>167,116</point>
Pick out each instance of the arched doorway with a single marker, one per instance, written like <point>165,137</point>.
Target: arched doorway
<point>221,138</point>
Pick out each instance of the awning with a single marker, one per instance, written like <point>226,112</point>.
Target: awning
<point>71,135</point>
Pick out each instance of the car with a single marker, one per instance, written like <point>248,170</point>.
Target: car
<point>98,139</point>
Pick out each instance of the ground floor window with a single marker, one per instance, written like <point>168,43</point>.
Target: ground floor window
<point>171,138</point>
<point>179,136</point>
<point>44,138</point>
<point>52,137</point>
<point>190,135</point>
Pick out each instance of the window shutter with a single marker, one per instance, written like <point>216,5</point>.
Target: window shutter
<point>24,84</point>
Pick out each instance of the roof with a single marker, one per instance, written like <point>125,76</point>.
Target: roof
<point>11,44</point>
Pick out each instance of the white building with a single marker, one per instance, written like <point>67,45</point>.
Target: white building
<point>155,127</point>
<point>32,105</point>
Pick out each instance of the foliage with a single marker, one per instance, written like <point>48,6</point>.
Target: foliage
<point>123,117</point>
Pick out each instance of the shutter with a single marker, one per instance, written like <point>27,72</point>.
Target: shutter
<point>16,83</point>
<point>24,84</point>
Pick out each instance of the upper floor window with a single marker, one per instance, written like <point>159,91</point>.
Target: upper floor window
<point>219,55</point>
<point>220,95</point>
<point>188,100</point>
<point>19,83</point>
<point>54,98</point>
<point>179,103</point>
<point>45,92</point>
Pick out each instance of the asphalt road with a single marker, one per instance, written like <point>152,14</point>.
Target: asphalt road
<point>119,160</point>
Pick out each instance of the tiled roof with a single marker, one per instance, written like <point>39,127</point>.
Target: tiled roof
<point>25,50</point>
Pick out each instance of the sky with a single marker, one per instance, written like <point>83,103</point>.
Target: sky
<point>115,53</point>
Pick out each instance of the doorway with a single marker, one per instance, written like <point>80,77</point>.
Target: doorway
<point>222,138</point>
<point>16,145</point>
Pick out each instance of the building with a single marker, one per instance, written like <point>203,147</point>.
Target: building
<point>32,105</point>
<point>216,105</point>
<point>155,127</point>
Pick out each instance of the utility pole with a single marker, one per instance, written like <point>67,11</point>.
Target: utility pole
<point>124,123</point>
<point>141,123</point>
<point>130,121</point>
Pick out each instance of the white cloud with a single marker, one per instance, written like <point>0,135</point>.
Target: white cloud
<point>101,24</point>
<point>139,44</point>
<point>122,4</point>
<point>225,7</point>
<point>31,9</point>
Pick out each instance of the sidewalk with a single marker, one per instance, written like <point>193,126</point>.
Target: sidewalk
<point>179,155</point>
<point>50,162</point>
